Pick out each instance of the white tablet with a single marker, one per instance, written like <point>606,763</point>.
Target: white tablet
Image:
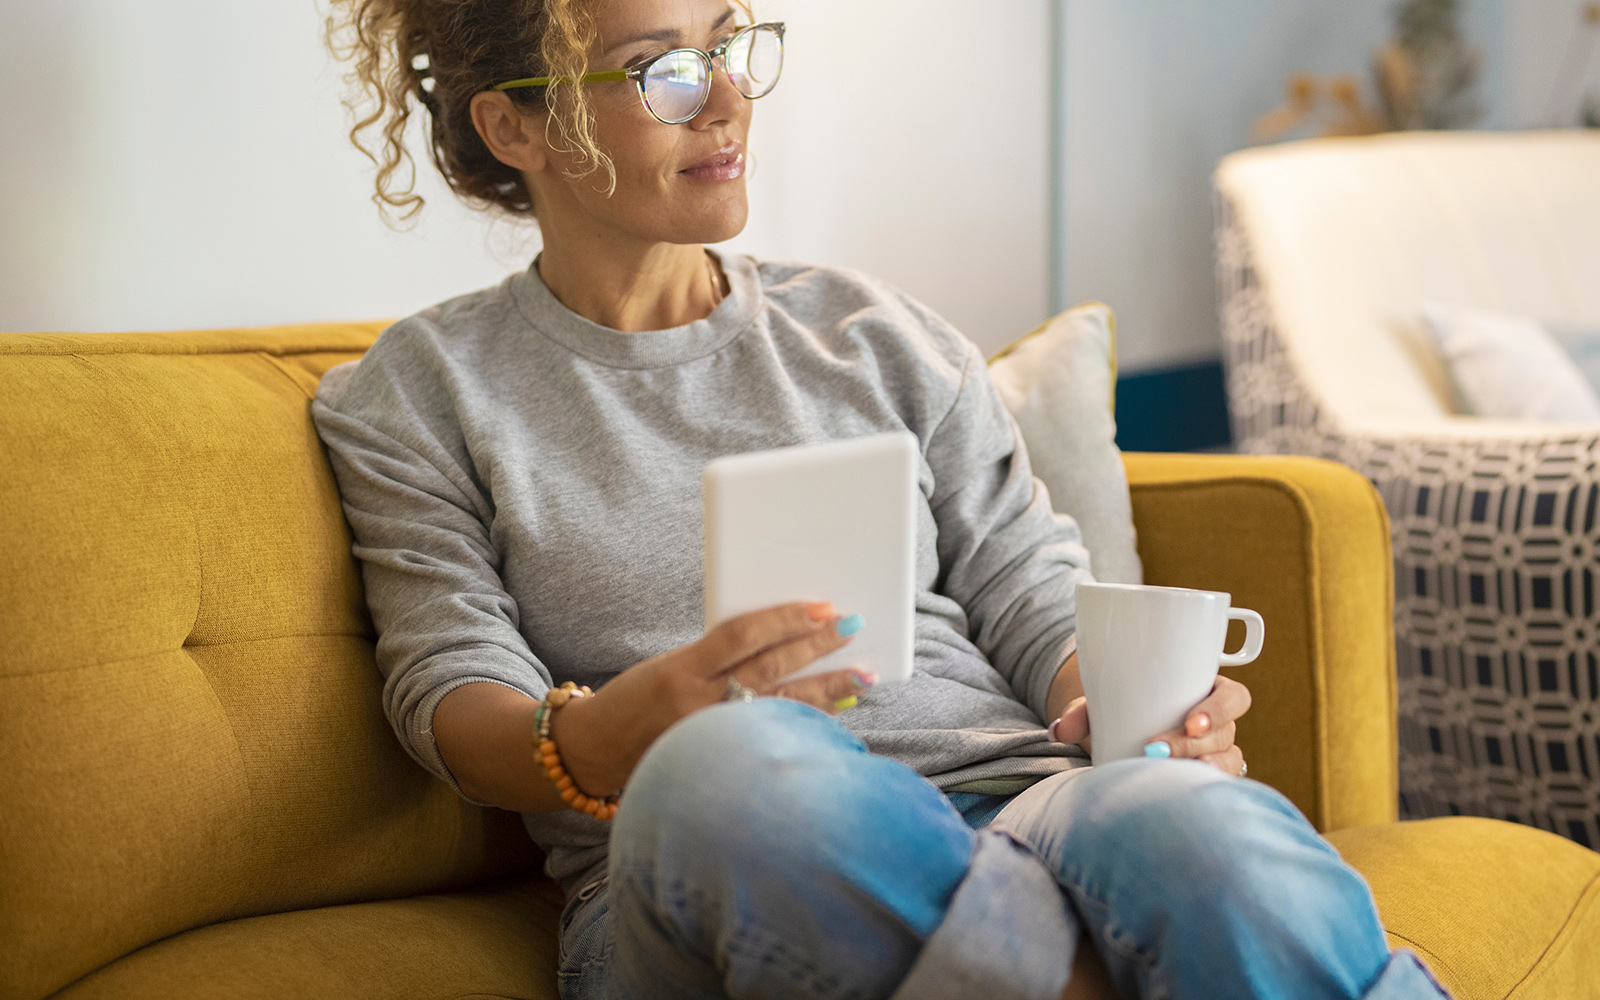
<point>820,522</point>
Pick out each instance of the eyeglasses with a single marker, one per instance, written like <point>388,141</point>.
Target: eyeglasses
<point>675,85</point>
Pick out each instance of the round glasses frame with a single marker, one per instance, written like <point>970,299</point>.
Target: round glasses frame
<point>639,72</point>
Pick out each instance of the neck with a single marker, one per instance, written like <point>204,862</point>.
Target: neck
<point>631,286</point>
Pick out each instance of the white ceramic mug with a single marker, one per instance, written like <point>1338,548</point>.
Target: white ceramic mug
<point>1148,655</point>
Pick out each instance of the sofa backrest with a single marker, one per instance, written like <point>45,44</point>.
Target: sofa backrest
<point>1349,237</point>
<point>190,721</point>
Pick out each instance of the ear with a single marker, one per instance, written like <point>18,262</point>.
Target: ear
<point>514,137</point>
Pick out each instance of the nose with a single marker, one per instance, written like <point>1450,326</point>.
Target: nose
<point>724,103</point>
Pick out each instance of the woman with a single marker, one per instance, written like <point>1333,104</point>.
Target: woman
<point>520,467</point>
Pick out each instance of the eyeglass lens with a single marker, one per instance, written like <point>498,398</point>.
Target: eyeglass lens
<point>676,85</point>
<point>754,60</point>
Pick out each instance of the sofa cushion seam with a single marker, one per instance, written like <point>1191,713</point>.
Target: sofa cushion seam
<point>277,366</point>
<point>1557,945</point>
<point>119,661</point>
<point>1434,960</point>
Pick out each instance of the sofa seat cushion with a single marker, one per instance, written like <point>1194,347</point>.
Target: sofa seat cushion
<point>495,941</point>
<point>1497,910</point>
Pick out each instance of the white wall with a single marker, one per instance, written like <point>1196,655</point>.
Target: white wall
<point>909,139</point>
<point>1157,92</point>
<point>1538,36</point>
<point>184,164</point>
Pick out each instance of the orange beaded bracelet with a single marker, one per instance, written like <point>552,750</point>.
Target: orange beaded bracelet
<point>601,809</point>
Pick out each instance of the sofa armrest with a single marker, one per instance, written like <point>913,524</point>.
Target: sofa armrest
<point>1306,543</point>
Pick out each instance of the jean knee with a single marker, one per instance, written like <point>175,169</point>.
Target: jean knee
<point>1186,821</point>
<point>730,746</point>
<point>718,770</point>
<point>774,789</point>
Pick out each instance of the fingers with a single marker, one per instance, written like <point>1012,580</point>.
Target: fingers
<point>1073,726</point>
<point>1227,701</point>
<point>743,636</point>
<point>1229,761</point>
<point>1214,741</point>
<point>767,669</point>
<point>1209,730</point>
<point>833,692</point>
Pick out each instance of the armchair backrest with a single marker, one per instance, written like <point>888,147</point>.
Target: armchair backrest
<point>1349,237</point>
<point>190,721</point>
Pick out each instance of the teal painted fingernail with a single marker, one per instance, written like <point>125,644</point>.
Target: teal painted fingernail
<point>851,625</point>
<point>1158,749</point>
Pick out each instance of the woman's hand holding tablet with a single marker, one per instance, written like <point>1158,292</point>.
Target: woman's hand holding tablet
<point>603,736</point>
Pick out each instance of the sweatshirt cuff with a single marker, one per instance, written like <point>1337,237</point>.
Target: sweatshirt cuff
<point>419,730</point>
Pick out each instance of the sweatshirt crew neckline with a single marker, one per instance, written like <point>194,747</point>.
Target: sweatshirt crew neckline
<point>647,348</point>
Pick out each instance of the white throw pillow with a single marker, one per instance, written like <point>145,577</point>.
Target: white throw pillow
<point>1511,367</point>
<point>1059,383</point>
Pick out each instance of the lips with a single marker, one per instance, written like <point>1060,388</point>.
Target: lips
<point>725,164</point>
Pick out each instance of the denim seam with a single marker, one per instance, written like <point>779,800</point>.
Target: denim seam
<point>1115,937</point>
<point>604,958</point>
<point>588,965</point>
<point>569,916</point>
<point>769,949</point>
<point>750,940</point>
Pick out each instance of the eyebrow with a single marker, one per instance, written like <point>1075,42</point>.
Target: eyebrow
<point>665,35</point>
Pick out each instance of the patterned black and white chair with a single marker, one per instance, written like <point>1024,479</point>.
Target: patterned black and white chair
<point>1326,250</point>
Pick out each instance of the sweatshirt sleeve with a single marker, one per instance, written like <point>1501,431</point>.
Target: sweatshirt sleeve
<point>420,527</point>
<point>1010,561</point>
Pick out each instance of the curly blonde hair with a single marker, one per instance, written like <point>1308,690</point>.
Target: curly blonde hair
<point>437,54</point>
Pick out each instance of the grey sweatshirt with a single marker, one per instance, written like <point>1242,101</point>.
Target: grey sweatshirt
<point>523,489</point>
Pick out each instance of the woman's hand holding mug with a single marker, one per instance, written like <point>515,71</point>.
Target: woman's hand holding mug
<point>1147,660</point>
<point>1207,733</point>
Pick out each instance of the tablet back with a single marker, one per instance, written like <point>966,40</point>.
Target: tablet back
<point>820,522</point>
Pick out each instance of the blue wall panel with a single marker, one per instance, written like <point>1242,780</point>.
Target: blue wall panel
<point>1173,409</point>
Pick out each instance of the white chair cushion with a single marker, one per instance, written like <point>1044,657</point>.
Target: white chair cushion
<point>1350,237</point>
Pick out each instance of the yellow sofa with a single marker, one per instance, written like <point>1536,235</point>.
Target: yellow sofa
<point>200,796</point>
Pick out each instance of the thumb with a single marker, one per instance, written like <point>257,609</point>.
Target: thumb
<point>1073,726</point>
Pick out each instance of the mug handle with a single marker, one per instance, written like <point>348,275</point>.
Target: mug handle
<point>1255,633</point>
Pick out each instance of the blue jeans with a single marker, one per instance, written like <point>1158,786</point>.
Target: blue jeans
<point>761,852</point>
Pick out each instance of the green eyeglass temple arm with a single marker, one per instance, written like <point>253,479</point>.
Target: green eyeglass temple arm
<point>545,81</point>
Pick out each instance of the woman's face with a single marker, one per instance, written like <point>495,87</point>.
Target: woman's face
<point>675,183</point>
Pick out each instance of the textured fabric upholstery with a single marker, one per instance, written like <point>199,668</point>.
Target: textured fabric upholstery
<point>1304,543</point>
<point>1327,251</point>
<point>498,941</point>
<point>191,728</point>
<point>199,795</point>
<point>1496,910</point>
